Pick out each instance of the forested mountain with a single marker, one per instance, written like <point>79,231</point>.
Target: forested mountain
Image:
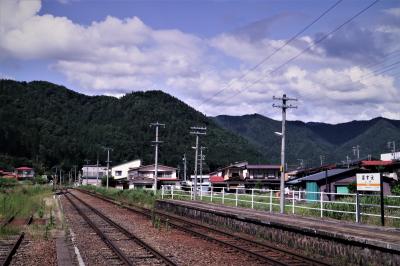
<point>45,124</point>
<point>308,141</point>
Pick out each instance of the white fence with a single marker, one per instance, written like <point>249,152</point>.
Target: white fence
<point>334,205</point>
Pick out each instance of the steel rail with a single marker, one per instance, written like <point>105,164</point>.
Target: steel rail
<point>8,221</point>
<point>149,213</point>
<point>16,244</point>
<point>130,235</point>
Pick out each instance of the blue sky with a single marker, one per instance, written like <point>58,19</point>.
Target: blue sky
<point>197,49</point>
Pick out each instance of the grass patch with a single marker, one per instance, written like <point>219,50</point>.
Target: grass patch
<point>144,198</point>
<point>22,200</point>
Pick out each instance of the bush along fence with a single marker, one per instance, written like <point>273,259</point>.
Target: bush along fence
<point>360,208</point>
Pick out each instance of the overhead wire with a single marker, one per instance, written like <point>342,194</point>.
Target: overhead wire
<point>273,53</point>
<point>324,37</point>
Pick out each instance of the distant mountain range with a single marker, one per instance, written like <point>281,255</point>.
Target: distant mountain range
<point>43,124</point>
<point>308,141</point>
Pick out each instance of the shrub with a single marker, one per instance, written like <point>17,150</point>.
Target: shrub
<point>396,188</point>
<point>7,182</point>
<point>111,181</point>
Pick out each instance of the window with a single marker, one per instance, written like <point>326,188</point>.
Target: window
<point>118,173</point>
<point>342,189</point>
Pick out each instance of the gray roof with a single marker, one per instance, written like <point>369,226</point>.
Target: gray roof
<point>263,166</point>
<point>321,175</point>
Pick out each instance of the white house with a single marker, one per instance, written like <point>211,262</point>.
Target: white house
<point>120,171</point>
<point>390,156</point>
<point>92,174</point>
<point>143,176</point>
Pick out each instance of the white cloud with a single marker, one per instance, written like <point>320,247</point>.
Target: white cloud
<point>114,55</point>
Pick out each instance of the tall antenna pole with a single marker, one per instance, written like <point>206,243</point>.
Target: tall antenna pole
<point>156,142</point>
<point>108,163</point>
<point>283,106</point>
<point>184,166</point>
<point>196,131</point>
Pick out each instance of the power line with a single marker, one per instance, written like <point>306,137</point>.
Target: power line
<point>309,47</point>
<point>272,54</point>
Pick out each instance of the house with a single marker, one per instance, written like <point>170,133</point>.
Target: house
<point>390,156</point>
<point>92,174</point>
<point>120,171</point>
<point>143,176</point>
<point>6,174</point>
<point>332,181</point>
<point>249,175</point>
<point>24,173</point>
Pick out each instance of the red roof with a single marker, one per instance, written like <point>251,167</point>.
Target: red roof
<point>375,163</point>
<point>216,179</point>
<point>24,168</point>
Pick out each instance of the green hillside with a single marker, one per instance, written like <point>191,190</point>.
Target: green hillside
<point>43,124</point>
<point>308,141</point>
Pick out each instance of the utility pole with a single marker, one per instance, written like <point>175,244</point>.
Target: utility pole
<point>322,158</point>
<point>184,167</point>
<point>108,163</point>
<point>156,142</point>
<point>75,173</point>
<point>283,106</point>
<point>87,171</point>
<point>301,163</point>
<point>97,168</point>
<point>202,157</point>
<point>392,147</point>
<point>356,151</point>
<point>196,131</point>
<point>348,161</point>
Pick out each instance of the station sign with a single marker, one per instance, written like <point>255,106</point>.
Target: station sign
<point>369,182</point>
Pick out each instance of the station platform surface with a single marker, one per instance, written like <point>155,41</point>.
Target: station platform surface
<point>386,238</point>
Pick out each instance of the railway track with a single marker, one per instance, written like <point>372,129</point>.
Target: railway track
<point>7,222</point>
<point>9,246</point>
<point>129,249</point>
<point>263,252</point>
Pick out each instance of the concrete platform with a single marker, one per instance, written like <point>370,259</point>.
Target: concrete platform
<point>347,242</point>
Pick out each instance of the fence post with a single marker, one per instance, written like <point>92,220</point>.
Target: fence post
<point>299,194</point>
<point>293,201</point>
<point>212,188</point>
<point>237,197</point>
<point>201,192</point>
<point>191,193</point>
<point>223,195</point>
<point>172,192</point>
<point>252,198</point>
<point>357,207</point>
<point>270,200</point>
<point>162,192</point>
<point>322,203</point>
